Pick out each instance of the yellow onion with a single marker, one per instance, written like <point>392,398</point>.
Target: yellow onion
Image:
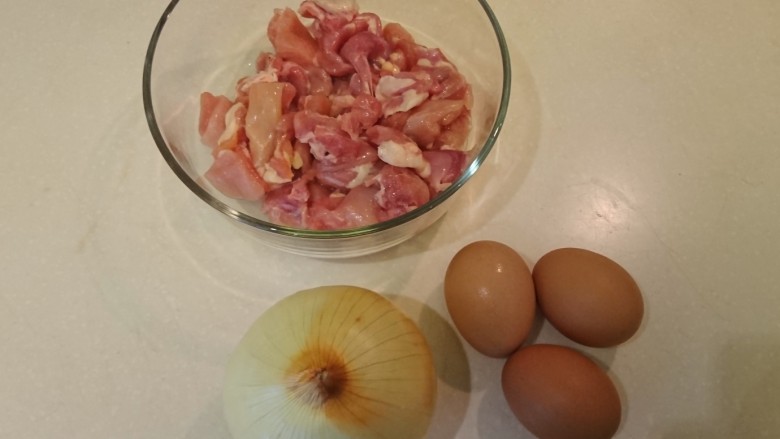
<point>331,362</point>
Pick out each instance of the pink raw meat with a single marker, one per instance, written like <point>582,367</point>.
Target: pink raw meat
<point>346,123</point>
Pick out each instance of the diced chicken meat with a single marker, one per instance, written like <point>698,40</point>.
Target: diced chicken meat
<point>395,148</point>
<point>212,117</point>
<point>427,122</point>
<point>401,92</point>
<point>346,123</point>
<point>290,38</point>
<point>232,174</point>
<point>400,191</point>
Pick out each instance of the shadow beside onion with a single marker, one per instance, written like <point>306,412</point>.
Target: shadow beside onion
<point>452,367</point>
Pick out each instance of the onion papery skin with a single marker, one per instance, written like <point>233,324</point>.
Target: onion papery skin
<point>331,362</point>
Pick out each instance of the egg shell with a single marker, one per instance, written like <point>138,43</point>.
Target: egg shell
<point>490,297</point>
<point>558,393</point>
<point>588,297</point>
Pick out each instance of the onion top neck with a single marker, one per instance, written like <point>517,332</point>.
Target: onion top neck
<point>318,376</point>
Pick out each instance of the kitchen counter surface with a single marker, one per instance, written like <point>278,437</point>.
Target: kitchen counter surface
<point>647,131</point>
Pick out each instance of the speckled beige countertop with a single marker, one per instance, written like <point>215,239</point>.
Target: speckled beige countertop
<point>650,132</point>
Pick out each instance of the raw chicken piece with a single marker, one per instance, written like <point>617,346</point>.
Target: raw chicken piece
<point>290,38</point>
<point>395,33</point>
<point>361,50</point>
<point>326,18</point>
<point>245,84</point>
<point>395,148</point>
<point>333,34</point>
<point>345,8</point>
<point>446,167</point>
<point>395,121</point>
<point>279,168</point>
<point>263,115</point>
<point>428,120</point>
<point>296,75</point>
<point>400,190</point>
<point>328,56</point>
<point>403,91</point>
<point>364,112</point>
<point>448,83</point>
<point>212,117</point>
<point>328,142</point>
<point>456,134</point>
<point>355,209</point>
<point>318,103</point>
<point>402,45</point>
<point>320,81</point>
<point>341,103</point>
<point>234,135</point>
<point>288,204</point>
<point>345,176</point>
<point>305,123</point>
<point>233,174</point>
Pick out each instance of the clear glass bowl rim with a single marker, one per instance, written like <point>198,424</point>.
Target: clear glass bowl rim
<point>324,234</point>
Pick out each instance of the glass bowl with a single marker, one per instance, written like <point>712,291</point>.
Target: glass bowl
<point>206,45</point>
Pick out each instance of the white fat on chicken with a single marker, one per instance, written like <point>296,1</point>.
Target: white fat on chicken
<point>318,149</point>
<point>341,103</point>
<point>346,8</point>
<point>268,75</point>
<point>270,175</point>
<point>424,62</point>
<point>389,86</point>
<point>361,174</point>
<point>404,155</point>
<point>411,99</point>
<point>231,123</point>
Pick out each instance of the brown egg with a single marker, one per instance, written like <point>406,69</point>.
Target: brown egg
<point>490,297</point>
<point>558,393</point>
<point>588,297</point>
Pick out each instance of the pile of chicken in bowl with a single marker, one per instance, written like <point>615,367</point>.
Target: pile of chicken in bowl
<point>327,128</point>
